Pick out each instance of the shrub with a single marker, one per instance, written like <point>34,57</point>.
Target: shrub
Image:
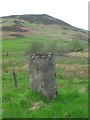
<point>75,46</point>
<point>62,51</point>
<point>50,47</point>
<point>35,47</point>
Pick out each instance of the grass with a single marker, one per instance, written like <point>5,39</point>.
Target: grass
<point>71,76</point>
<point>19,44</point>
<point>69,102</point>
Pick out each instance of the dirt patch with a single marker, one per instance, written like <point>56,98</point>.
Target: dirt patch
<point>83,90</point>
<point>37,105</point>
<point>17,35</point>
<point>14,29</point>
<point>78,54</point>
<point>17,31</point>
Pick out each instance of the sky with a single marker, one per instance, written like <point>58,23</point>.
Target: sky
<point>74,12</point>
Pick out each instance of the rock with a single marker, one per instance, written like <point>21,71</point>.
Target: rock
<point>42,74</point>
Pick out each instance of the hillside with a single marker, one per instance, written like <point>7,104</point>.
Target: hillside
<point>42,33</point>
<point>18,26</point>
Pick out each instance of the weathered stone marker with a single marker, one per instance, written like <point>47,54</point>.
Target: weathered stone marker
<point>42,74</point>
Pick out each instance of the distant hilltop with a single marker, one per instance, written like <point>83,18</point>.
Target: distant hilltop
<point>18,26</point>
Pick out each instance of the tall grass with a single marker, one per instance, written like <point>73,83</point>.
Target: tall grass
<point>68,104</point>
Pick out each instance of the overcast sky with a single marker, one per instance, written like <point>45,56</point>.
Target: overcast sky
<point>74,12</point>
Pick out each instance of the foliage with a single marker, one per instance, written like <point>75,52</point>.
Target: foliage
<point>50,47</point>
<point>62,51</point>
<point>38,47</point>
<point>71,99</point>
<point>35,47</point>
<point>75,46</point>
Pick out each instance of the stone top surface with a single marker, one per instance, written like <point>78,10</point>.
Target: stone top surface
<point>41,56</point>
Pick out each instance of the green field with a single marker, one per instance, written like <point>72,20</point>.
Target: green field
<point>72,100</point>
<point>72,79</point>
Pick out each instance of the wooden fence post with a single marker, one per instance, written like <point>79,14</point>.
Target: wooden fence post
<point>14,78</point>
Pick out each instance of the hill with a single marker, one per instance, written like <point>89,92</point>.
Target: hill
<point>18,26</point>
<point>26,33</point>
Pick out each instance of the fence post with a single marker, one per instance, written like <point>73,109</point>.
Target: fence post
<point>14,78</point>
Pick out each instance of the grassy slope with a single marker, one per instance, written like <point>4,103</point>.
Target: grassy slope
<point>72,100</point>
<point>71,79</point>
<point>55,29</point>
